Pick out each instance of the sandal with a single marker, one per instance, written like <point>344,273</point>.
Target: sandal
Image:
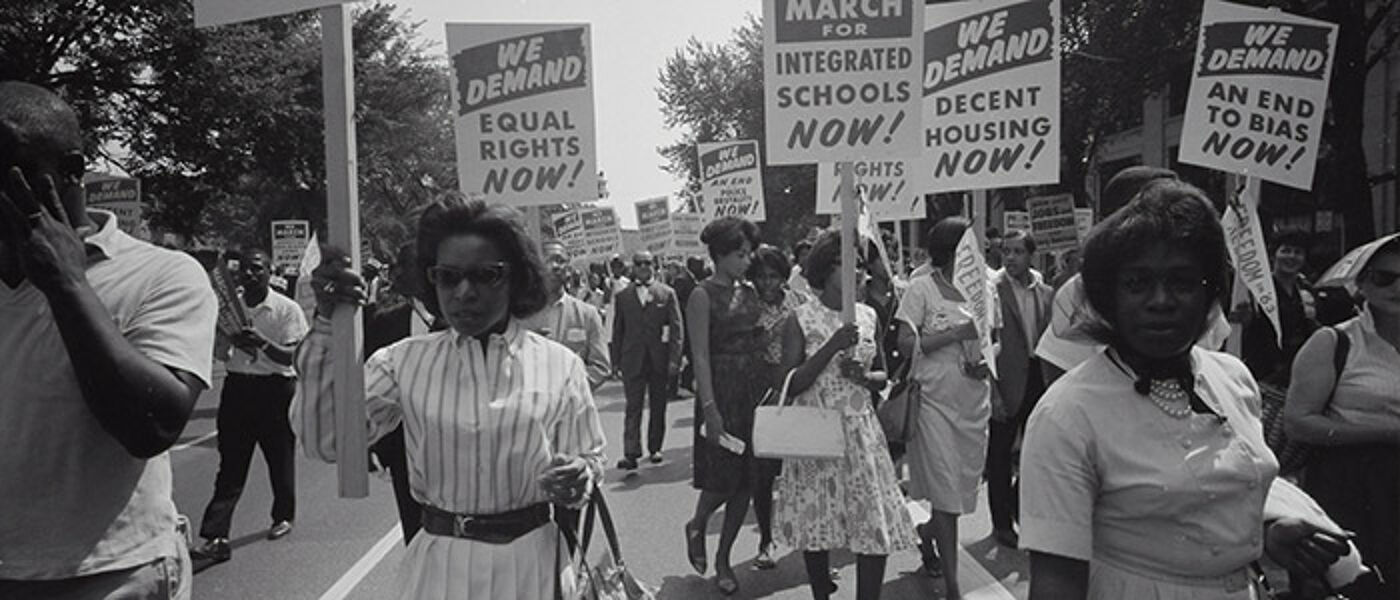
<point>695,548</point>
<point>727,584</point>
<point>933,565</point>
<point>764,561</point>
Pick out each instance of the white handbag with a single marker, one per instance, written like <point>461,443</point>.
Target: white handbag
<point>785,431</point>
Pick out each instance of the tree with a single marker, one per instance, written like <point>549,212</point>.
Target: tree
<point>715,93</point>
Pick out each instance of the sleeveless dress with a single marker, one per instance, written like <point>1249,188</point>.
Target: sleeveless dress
<point>853,502</point>
<point>738,379</point>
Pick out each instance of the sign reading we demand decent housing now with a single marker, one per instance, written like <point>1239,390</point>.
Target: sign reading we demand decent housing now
<point>523,101</point>
<point>991,94</point>
<point>1258,92</point>
<point>840,79</point>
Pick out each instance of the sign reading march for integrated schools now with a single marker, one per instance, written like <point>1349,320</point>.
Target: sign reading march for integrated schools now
<point>840,79</point>
<point>1258,92</point>
<point>731,180</point>
<point>523,101</point>
<point>893,190</point>
<point>991,94</point>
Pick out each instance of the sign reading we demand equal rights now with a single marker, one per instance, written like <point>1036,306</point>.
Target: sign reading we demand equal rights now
<point>840,79</point>
<point>523,101</point>
<point>991,94</point>
<point>1258,92</point>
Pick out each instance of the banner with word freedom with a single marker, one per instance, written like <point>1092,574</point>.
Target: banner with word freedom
<point>119,195</point>
<point>289,240</point>
<point>889,187</point>
<point>731,180</point>
<point>685,234</point>
<point>1244,236</point>
<point>654,224</point>
<point>1258,91</point>
<point>1053,222</point>
<point>600,234</point>
<point>840,79</point>
<point>991,94</point>
<point>973,282</point>
<point>522,100</point>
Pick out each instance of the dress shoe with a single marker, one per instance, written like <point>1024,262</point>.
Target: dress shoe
<point>279,529</point>
<point>627,464</point>
<point>656,458</point>
<point>214,550</point>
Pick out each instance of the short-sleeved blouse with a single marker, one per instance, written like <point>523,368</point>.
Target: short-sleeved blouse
<point>1108,477</point>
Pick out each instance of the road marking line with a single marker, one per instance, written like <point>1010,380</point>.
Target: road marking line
<point>971,574</point>
<point>362,567</point>
<point>194,442</point>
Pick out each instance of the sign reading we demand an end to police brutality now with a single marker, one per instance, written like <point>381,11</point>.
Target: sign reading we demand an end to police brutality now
<point>840,79</point>
<point>1258,91</point>
<point>731,180</point>
<point>522,100</point>
<point>991,94</point>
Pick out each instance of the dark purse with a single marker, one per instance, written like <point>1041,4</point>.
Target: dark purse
<point>896,411</point>
<point>1293,455</point>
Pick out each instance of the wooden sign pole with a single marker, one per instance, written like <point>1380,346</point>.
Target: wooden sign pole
<point>343,216</point>
<point>850,213</point>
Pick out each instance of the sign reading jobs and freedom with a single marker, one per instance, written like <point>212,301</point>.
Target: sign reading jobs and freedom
<point>991,94</point>
<point>1258,91</point>
<point>654,224</point>
<point>731,180</point>
<point>891,189</point>
<point>1053,222</point>
<point>522,97</point>
<point>840,79</point>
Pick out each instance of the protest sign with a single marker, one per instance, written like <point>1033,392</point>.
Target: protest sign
<point>840,79</point>
<point>685,234</point>
<point>1083,222</point>
<point>971,278</point>
<point>208,13</point>
<point>1244,237</point>
<point>600,236</point>
<point>289,239</point>
<point>569,229</point>
<point>1258,92</point>
<point>1053,222</point>
<point>731,180</point>
<point>888,187</point>
<point>654,224</point>
<point>1015,220</point>
<point>119,195</point>
<point>522,99</point>
<point>991,94</point>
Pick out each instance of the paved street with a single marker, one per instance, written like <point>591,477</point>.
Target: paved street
<point>350,548</point>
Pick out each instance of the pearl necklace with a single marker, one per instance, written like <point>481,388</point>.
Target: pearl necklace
<point>1169,396</point>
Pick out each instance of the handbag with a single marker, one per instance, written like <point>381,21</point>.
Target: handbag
<point>896,412</point>
<point>1293,455</point>
<point>609,579</point>
<point>786,431</point>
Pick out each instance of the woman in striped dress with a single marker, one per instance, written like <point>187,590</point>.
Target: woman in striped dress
<point>499,423</point>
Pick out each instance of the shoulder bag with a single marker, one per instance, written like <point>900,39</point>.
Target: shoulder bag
<point>1293,455</point>
<point>896,412</point>
<point>607,580</point>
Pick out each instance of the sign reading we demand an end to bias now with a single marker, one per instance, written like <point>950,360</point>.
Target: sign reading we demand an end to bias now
<point>991,94</point>
<point>522,99</point>
<point>1258,91</point>
<point>840,79</point>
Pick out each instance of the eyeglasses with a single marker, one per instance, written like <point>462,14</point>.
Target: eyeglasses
<point>1382,278</point>
<point>1175,284</point>
<point>641,263</point>
<point>480,275</point>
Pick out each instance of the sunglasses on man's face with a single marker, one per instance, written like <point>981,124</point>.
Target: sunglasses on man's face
<point>1382,278</point>
<point>479,275</point>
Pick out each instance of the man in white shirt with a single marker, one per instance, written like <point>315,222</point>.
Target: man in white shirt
<point>253,408</point>
<point>570,321</point>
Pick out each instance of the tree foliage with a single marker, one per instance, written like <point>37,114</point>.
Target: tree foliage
<point>224,125</point>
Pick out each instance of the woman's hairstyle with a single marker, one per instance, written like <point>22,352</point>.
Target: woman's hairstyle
<point>499,224</point>
<point>727,234</point>
<point>822,259</point>
<point>769,258</point>
<point>942,239</point>
<point>1167,211</point>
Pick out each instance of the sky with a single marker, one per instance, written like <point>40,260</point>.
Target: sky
<point>631,41</point>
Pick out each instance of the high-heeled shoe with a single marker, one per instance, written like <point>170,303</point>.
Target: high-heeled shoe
<point>726,584</point>
<point>695,548</point>
<point>764,561</point>
<point>933,565</point>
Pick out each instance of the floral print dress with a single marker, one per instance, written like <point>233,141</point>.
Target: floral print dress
<point>853,502</point>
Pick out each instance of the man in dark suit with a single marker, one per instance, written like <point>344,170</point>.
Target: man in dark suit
<point>1025,310</point>
<point>684,283</point>
<point>647,331</point>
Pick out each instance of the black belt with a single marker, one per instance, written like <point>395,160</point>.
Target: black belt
<point>499,528</point>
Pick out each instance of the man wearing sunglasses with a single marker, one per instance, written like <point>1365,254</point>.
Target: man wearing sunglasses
<point>570,321</point>
<point>106,343</point>
<point>647,331</point>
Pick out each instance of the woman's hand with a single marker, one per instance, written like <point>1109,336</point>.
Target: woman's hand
<point>977,370</point>
<point>335,283</point>
<point>844,337</point>
<point>714,423</point>
<point>1302,547</point>
<point>566,479</point>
